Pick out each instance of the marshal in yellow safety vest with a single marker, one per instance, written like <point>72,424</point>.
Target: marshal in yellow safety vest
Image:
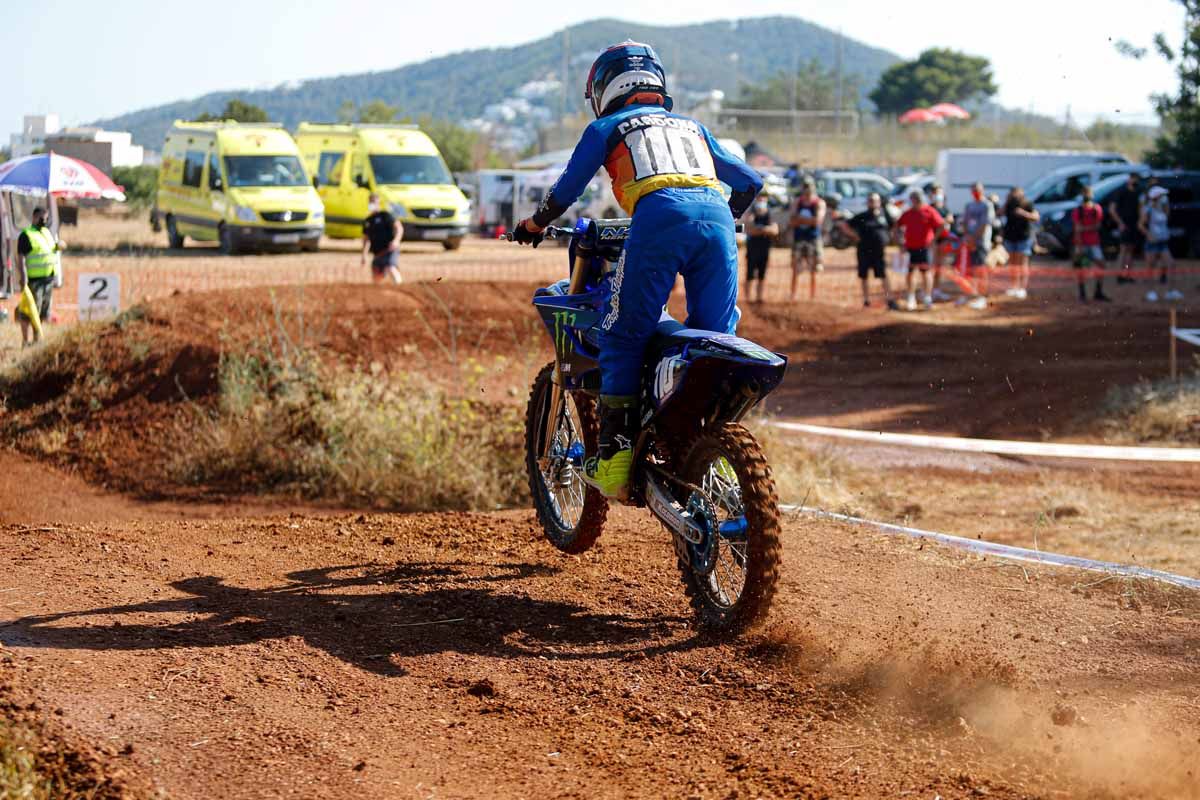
<point>42,260</point>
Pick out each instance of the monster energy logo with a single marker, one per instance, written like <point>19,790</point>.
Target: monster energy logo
<point>563,321</point>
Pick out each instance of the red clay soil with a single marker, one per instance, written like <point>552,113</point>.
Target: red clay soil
<point>291,653</point>
<point>459,655</point>
<point>1020,370</point>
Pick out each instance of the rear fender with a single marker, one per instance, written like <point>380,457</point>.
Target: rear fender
<point>716,379</point>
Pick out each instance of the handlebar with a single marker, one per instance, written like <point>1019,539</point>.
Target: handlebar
<point>551,232</point>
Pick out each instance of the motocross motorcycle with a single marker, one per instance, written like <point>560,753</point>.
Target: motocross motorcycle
<point>696,469</point>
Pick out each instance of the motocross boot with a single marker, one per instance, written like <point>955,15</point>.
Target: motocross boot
<point>610,467</point>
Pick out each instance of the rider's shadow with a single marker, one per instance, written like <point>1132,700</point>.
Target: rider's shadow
<point>369,616</point>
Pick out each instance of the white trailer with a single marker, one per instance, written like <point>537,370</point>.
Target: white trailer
<point>1000,170</point>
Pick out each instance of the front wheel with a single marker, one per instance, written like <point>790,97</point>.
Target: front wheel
<point>225,241</point>
<point>732,574</point>
<point>453,243</point>
<point>571,512</point>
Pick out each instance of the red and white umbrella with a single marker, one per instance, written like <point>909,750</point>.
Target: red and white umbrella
<point>918,115</point>
<point>60,176</point>
<point>950,111</point>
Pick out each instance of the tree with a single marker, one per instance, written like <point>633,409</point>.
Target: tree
<point>936,76</point>
<point>1179,143</point>
<point>812,88</point>
<point>140,184</point>
<point>377,112</point>
<point>237,110</point>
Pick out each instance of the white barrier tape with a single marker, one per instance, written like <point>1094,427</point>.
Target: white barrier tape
<point>1007,552</point>
<point>1189,335</point>
<point>1187,455</point>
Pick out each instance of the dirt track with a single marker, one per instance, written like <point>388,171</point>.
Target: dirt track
<point>248,648</point>
<point>458,655</point>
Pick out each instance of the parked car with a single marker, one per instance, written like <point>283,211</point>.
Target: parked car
<point>851,188</point>
<point>1065,183</point>
<point>1183,192</point>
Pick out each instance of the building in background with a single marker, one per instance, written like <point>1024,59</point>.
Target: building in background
<point>101,148</point>
<point>34,130</point>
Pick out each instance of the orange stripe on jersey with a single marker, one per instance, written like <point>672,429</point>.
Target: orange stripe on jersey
<point>627,189</point>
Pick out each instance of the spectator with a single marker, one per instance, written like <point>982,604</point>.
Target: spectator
<point>1153,225</point>
<point>38,261</point>
<point>1086,220</point>
<point>871,231</point>
<point>381,236</point>
<point>919,225</point>
<point>1019,216</point>
<point>760,232</point>
<point>1125,210</point>
<point>943,254</point>
<point>808,222</point>
<point>978,217</point>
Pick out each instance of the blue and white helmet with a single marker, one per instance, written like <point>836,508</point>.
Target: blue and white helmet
<point>624,73</point>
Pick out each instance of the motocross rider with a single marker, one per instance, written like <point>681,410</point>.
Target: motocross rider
<point>666,171</point>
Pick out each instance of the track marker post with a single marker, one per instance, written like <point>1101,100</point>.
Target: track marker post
<point>1174,363</point>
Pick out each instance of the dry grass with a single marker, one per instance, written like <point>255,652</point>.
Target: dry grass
<point>1164,412</point>
<point>286,421</point>
<point>34,769</point>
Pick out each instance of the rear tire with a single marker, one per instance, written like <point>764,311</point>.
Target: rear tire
<point>754,555</point>
<point>452,243</point>
<point>571,513</point>
<point>174,237</point>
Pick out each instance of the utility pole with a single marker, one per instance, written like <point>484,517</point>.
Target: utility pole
<point>562,92</point>
<point>838,85</point>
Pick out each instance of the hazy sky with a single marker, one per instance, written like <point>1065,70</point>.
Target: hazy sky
<point>88,60</point>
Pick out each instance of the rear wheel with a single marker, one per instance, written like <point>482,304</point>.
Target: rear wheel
<point>174,237</point>
<point>571,512</point>
<point>453,243</point>
<point>731,576</point>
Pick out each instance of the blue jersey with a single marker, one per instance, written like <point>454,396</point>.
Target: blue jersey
<point>645,148</point>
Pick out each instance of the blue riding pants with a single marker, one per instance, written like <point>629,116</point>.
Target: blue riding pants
<point>687,232</point>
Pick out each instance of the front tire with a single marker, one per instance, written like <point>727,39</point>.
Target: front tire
<point>735,593</point>
<point>453,243</point>
<point>225,241</point>
<point>571,513</point>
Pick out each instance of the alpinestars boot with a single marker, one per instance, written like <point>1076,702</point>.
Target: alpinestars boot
<point>609,468</point>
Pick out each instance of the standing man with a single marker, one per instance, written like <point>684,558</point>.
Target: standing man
<point>943,256</point>
<point>38,262</point>
<point>1019,216</point>
<point>1126,209</point>
<point>381,237</point>
<point>920,224</point>
<point>1086,220</point>
<point>871,231</point>
<point>760,232</point>
<point>978,217</point>
<point>808,223</point>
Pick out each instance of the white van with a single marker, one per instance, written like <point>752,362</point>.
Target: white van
<point>1000,170</point>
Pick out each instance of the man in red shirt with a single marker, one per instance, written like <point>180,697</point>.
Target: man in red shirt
<point>1086,220</point>
<point>920,225</point>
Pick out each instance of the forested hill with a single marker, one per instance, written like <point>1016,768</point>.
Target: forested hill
<point>460,86</point>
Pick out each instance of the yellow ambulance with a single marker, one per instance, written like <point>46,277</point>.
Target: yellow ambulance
<point>242,185</point>
<point>400,164</point>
